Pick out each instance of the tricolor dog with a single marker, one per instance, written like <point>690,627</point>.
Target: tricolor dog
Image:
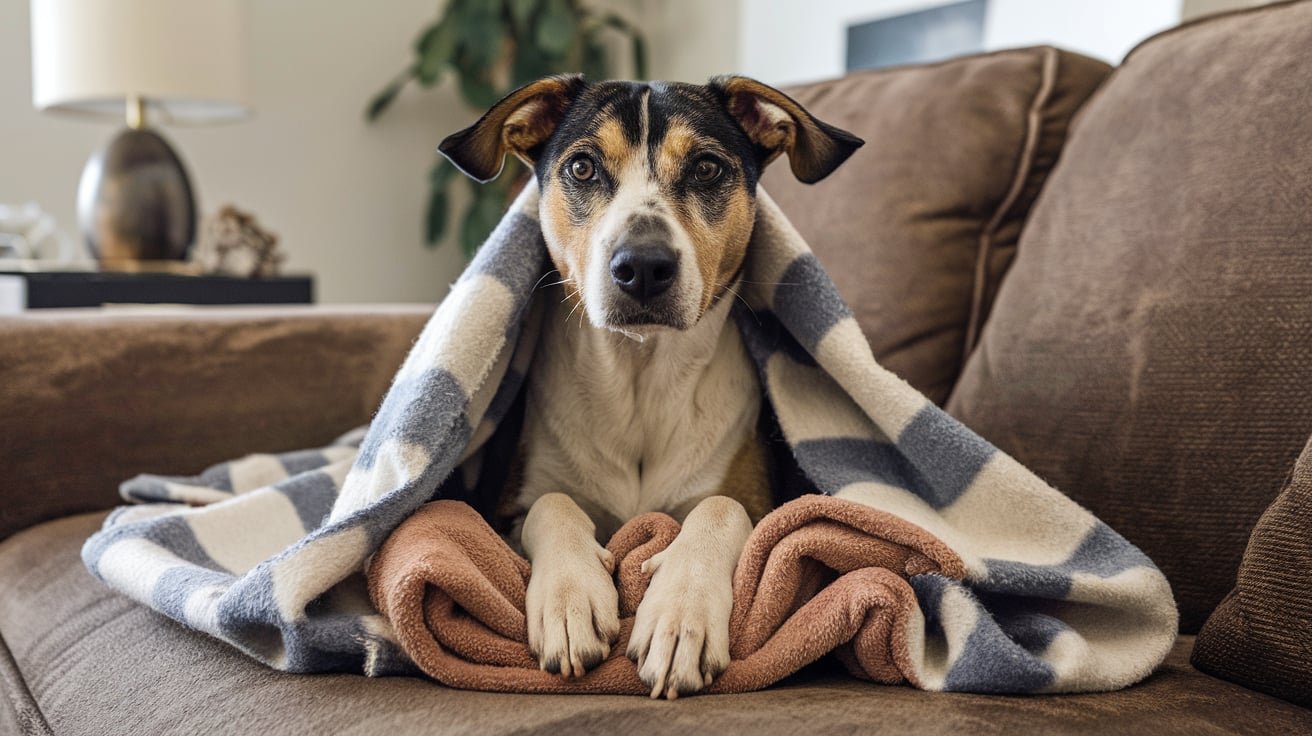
<point>641,396</point>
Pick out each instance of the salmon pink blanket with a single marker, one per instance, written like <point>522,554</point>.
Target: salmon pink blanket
<point>818,574</point>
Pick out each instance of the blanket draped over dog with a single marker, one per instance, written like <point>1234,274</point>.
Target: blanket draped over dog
<point>1025,590</point>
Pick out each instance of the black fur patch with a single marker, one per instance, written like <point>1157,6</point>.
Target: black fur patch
<point>697,106</point>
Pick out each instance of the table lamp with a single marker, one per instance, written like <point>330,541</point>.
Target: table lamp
<point>170,61</point>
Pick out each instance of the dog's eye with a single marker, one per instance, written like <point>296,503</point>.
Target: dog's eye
<point>582,168</point>
<point>707,170</point>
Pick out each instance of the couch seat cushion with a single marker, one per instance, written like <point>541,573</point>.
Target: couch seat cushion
<point>96,663</point>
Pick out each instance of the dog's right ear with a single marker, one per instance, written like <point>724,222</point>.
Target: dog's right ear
<point>775,122</point>
<point>520,123</point>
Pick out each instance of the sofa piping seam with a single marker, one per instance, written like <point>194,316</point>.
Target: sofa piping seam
<point>826,83</point>
<point>1021,174</point>
<point>1202,20</point>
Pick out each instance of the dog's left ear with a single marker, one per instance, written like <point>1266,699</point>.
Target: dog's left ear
<point>520,123</point>
<point>775,122</point>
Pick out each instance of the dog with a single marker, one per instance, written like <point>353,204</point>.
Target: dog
<point>642,396</point>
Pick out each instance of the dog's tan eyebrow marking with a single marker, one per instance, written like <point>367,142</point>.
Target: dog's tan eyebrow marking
<point>679,140</point>
<point>681,143</point>
<point>612,143</point>
<point>613,136</point>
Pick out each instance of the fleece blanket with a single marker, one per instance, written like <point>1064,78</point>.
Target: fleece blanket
<point>268,552</point>
<point>818,574</point>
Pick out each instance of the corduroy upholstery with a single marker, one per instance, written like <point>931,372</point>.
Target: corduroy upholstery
<point>1150,351</point>
<point>955,155</point>
<point>175,390</point>
<point>1261,634</point>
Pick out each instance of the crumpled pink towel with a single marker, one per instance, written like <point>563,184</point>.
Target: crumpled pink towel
<point>818,574</point>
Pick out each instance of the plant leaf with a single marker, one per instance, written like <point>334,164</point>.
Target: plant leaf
<point>439,204</point>
<point>521,11</point>
<point>593,64</point>
<point>387,96</point>
<point>439,207</point>
<point>617,22</point>
<point>531,64</point>
<point>639,56</point>
<point>480,32</point>
<point>441,173</point>
<point>426,37</point>
<point>557,28</point>
<point>481,218</point>
<point>477,90</point>
<point>436,49</point>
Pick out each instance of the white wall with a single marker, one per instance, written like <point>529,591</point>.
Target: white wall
<point>791,41</point>
<point>1106,29</point>
<point>692,40</point>
<point>346,197</point>
<point>794,41</point>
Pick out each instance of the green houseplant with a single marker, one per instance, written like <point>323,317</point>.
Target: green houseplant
<point>491,47</point>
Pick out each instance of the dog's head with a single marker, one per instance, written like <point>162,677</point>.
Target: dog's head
<point>648,190</point>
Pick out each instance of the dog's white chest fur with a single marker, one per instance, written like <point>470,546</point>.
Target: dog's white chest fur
<point>624,426</point>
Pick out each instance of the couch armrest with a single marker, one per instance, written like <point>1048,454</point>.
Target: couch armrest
<point>89,398</point>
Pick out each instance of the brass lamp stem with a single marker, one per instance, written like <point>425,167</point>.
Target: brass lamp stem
<point>136,109</point>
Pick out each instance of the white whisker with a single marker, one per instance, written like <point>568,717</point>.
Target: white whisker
<point>543,277</point>
<point>745,304</point>
<point>769,283</point>
<point>578,303</point>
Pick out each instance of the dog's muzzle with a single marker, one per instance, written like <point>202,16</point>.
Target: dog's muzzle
<point>644,270</point>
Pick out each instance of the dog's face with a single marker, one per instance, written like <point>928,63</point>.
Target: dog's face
<point>648,190</point>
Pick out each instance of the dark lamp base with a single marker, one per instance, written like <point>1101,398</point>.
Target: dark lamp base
<point>135,201</point>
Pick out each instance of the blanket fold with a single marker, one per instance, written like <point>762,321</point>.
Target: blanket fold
<point>1021,589</point>
<point>816,574</point>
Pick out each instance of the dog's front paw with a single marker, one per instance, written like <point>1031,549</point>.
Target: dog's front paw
<point>573,611</point>
<point>680,636</point>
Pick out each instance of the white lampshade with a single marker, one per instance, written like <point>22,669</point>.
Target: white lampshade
<point>185,58</point>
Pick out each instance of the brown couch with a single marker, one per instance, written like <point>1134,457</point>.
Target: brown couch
<point>1107,274</point>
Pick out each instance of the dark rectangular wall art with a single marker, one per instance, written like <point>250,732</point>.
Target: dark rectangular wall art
<point>913,38</point>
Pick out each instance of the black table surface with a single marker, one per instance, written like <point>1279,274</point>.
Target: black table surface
<point>54,289</point>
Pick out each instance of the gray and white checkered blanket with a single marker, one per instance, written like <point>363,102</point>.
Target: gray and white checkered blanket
<point>266,552</point>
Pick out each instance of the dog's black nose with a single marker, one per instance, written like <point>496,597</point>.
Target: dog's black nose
<point>644,271</point>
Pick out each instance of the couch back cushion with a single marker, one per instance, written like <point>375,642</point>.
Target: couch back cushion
<point>918,227</point>
<point>1150,352</point>
<point>91,398</point>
